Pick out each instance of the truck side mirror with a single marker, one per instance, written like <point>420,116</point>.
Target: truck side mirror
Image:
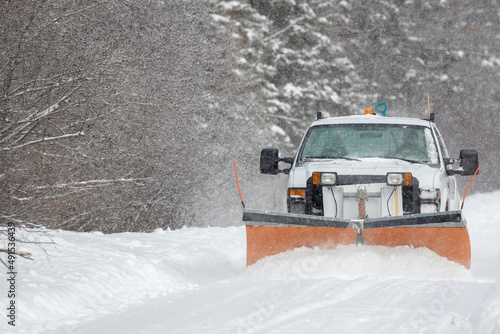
<point>468,162</point>
<point>269,161</point>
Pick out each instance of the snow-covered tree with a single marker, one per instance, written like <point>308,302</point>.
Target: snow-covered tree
<point>290,61</point>
<point>111,115</point>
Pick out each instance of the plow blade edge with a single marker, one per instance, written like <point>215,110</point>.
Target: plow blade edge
<point>270,233</point>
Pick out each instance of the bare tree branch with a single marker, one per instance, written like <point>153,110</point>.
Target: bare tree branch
<point>25,255</point>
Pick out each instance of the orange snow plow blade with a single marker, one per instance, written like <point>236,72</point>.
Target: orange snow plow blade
<point>449,242</point>
<point>270,233</point>
<point>263,241</point>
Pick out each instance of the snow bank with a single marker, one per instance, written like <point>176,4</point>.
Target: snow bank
<point>87,275</point>
<point>484,228</point>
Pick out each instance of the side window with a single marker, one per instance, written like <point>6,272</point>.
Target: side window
<point>430,144</point>
<point>442,146</point>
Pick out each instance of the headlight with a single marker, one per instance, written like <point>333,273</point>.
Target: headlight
<point>394,179</point>
<point>398,179</point>
<point>324,179</point>
<point>328,179</point>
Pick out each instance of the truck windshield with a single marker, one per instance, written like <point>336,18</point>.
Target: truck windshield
<point>356,141</point>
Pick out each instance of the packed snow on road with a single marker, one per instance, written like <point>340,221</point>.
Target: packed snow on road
<point>194,280</point>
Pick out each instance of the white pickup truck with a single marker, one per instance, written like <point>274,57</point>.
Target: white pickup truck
<point>369,166</point>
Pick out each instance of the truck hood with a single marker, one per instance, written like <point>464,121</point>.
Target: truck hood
<point>366,166</point>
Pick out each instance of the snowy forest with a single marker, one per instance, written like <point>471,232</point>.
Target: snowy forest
<point>128,115</point>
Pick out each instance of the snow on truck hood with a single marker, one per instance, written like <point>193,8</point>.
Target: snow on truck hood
<point>366,166</point>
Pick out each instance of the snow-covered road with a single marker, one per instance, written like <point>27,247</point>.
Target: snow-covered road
<point>194,280</point>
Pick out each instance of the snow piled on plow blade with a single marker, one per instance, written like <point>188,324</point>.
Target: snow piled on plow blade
<point>352,262</point>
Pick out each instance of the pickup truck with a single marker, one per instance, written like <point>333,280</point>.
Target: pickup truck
<point>366,179</point>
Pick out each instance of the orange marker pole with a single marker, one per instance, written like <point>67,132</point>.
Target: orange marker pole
<point>463,200</point>
<point>238,184</point>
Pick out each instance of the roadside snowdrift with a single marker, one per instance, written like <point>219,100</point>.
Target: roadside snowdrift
<point>85,277</point>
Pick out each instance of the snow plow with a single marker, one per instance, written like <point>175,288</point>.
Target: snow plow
<point>366,179</point>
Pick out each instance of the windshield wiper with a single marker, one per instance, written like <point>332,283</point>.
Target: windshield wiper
<point>407,160</point>
<point>331,157</point>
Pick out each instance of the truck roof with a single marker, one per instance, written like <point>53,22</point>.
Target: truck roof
<point>371,119</point>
